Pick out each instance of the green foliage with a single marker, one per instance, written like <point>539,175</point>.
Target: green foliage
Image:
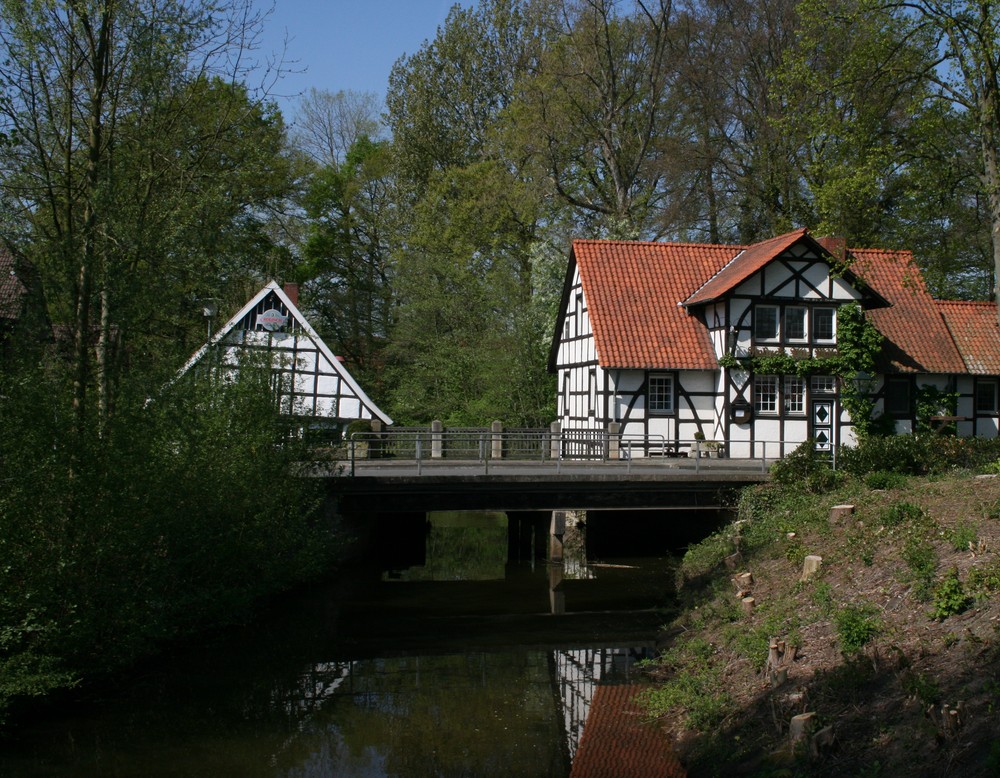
<point>806,467</point>
<point>921,559</point>
<point>822,597</point>
<point>984,580</point>
<point>963,536</point>
<point>932,401</point>
<point>182,515</point>
<point>704,557</point>
<point>901,514</point>
<point>950,597</point>
<point>925,689</point>
<point>884,479</point>
<point>693,687</point>
<point>919,454</point>
<point>857,625</point>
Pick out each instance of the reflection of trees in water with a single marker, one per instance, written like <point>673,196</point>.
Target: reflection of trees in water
<point>464,546</point>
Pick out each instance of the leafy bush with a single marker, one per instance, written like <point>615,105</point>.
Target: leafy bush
<point>963,536</point>
<point>950,597</point>
<point>918,454</point>
<point>807,467</point>
<point>857,625</point>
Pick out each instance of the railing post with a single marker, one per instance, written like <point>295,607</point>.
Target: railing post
<point>614,442</point>
<point>496,440</point>
<point>555,442</point>
<point>352,444</point>
<point>417,450</point>
<point>437,445</point>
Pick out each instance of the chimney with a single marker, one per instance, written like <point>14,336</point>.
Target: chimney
<point>292,291</point>
<point>836,245</point>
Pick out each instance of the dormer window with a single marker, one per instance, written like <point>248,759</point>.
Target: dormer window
<point>794,324</point>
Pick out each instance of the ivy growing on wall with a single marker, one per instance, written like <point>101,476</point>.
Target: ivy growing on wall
<point>858,345</point>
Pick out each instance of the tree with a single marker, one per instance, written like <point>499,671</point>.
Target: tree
<point>968,74</point>
<point>329,123</point>
<point>347,264</point>
<point>598,117</point>
<point>468,347</point>
<point>90,85</point>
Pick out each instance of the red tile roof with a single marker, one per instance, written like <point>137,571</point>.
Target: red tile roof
<point>916,338</point>
<point>744,265</point>
<point>633,292</point>
<point>617,743</point>
<point>976,333</point>
<point>636,293</point>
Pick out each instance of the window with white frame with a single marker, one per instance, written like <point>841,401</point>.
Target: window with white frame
<point>824,324</point>
<point>765,323</point>
<point>795,394</point>
<point>986,396</point>
<point>765,393</point>
<point>824,384</point>
<point>795,323</point>
<point>661,393</point>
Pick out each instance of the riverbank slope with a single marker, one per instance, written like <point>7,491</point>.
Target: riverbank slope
<point>887,658</point>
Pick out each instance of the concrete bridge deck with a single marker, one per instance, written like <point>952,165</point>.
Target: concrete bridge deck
<point>540,485</point>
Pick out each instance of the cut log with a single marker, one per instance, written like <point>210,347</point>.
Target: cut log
<point>744,581</point>
<point>801,726</point>
<point>748,603</point>
<point>811,566</point>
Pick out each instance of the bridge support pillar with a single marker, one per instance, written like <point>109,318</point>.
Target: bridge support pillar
<point>557,528</point>
<point>437,449</point>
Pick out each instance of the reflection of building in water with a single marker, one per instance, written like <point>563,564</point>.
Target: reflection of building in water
<point>495,708</point>
<point>578,673</point>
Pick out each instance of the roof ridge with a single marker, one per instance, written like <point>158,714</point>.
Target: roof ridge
<point>678,244</point>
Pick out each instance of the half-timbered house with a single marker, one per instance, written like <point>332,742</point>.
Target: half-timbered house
<point>658,339</point>
<point>312,384</point>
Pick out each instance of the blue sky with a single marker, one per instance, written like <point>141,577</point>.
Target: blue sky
<point>348,44</point>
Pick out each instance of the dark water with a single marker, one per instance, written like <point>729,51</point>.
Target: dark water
<point>457,666</point>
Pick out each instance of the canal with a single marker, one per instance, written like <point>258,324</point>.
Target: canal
<point>451,649</point>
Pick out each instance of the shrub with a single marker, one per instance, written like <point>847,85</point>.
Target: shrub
<point>950,597</point>
<point>919,454</point>
<point>805,466</point>
<point>857,625</point>
<point>963,536</point>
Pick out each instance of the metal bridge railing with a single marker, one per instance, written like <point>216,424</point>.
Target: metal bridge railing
<point>424,446</point>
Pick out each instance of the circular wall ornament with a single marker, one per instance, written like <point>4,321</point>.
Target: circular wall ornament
<point>271,320</point>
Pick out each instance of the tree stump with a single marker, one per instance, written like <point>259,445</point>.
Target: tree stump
<point>748,603</point>
<point>838,512</point>
<point>811,566</point>
<point>801,726</point>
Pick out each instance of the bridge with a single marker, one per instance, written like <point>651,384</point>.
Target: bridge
<point>533,470</point>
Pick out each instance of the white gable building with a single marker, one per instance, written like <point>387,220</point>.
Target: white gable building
<point>312,383</point>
